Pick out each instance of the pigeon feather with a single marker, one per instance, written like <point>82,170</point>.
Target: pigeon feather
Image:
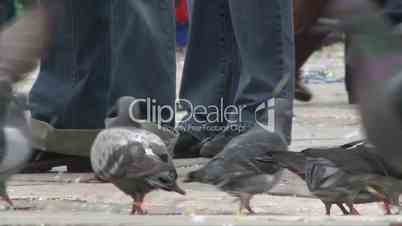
<point>135,160</point>
<point>237,171</point>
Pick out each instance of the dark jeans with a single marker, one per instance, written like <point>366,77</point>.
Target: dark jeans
<point>240,52</point>
<point>393,10</point>
<point>102,50</point>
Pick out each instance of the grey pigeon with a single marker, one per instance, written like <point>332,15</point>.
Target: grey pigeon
<point>21,46</point>
<point>128,108</point>
<point>133,159</point>
<point>378,54</point>
<point>376,50</point>
<point>349,174</point>
<point>236,171</point>
<point>15,149</point>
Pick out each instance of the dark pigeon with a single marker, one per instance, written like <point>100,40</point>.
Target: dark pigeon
<point>349,174</point>
<point>15,138</point>
<point>378,54</point>
<point>21,47</point>
<point>133,159</point>
<point>236,171</point>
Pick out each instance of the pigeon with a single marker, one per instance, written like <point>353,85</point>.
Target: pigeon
<point>135,160</point>
<point>22,44</point>
<point>378,53</point>
<point>15,139</point>
<point>236,171</point>
<point>349,174</point>
<point>130,109</point>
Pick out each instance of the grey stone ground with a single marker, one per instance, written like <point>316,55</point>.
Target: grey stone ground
<point>71,199</point>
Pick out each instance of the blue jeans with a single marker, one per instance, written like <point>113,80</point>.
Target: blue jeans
<point>190,6</point>
<point>102,50</point>
<point>240,52</point>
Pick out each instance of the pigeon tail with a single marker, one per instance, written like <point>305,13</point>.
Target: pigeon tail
<point>124,113</point>
<point>212,173</point>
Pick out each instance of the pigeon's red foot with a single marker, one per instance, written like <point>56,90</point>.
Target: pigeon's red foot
<point>7,199</point>
<point>387,208</point>
<point>137,209</point>
<point>245,203</point>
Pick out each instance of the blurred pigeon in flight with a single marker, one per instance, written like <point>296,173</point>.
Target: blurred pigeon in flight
<point>15,149</point>
<point>378,55</point>
<point>21,47</point>
<point>236,171</point>
<point>133,159</point>
<point>376,51</point>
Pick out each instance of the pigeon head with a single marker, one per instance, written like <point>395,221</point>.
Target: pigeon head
<point>167,181</point>
<point>211,173</point>
<point>123,113</point>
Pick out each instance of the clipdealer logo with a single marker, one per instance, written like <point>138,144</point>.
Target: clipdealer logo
<point>267,122</point>
<point>212,114</point>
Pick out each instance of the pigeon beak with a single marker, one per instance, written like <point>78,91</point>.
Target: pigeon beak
<point>178,189</point>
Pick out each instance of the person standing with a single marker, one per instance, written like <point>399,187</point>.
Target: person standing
<point>102,50</point>
<point>240,56</point>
